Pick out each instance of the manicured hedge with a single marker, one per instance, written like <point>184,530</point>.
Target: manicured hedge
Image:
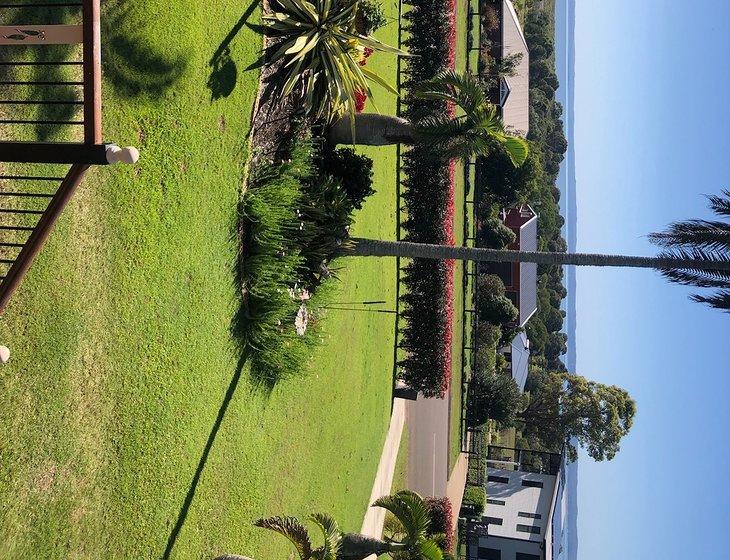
<point>428,196</point>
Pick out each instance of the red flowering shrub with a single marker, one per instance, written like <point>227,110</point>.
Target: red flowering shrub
<point>428,194</point>
<point>442,517</point>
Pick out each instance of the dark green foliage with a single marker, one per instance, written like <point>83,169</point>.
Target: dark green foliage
<point>564,407</point>
<point>488,335</point>
<point>425,194</point>
<point>294,221</point>
<point>490,285</point>
<point>354,171</point>
<point>372,16</point>
<point>508,184</point>
<point>494,234</point>
<point>475,496</point>
<point>269,264</point>
<point>498,310</point>
<point>492,396</point>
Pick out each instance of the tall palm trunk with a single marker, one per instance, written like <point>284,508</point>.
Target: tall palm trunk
<point>378,248</point>
<point>372,129</point>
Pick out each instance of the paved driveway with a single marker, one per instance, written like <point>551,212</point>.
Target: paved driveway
<point>428,445</point>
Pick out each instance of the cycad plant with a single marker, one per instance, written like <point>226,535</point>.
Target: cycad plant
<point>320,51</point>
<point>412,542</point>
<point>705,240</point>
<point>475,129</point>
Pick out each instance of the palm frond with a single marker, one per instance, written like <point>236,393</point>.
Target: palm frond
<point>720,204</point>
<point>719,257</point>
<point>410,509</point>
<point>516,148</point>
<point>332,537</point>
<point>699,278</point>
<point>292,529</point>
<point>720,300</point>
<point>460,88</point>
<point>441,128</point>
<point>706,234</point>
<point>429,550</point>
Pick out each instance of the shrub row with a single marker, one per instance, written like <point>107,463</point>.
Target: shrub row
<point>428,196</point>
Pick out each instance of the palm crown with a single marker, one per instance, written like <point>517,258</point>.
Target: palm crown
<point>706,240</point>
<point>477,130</point>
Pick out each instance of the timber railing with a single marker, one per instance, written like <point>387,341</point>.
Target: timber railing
<point>50,88</point>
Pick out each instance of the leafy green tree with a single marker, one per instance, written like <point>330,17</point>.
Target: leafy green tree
<point>498,310</point>
<point>564,407</point>
<point>493,395</point>
<point>494,234</point>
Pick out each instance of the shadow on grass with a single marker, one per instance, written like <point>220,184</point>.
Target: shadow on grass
<point>187,502</point>
<point>224,73</point>
<point>130,63</point>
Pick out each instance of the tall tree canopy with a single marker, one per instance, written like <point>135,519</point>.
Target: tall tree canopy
<point>564,407</point>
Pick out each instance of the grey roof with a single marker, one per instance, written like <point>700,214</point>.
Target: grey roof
<point>516,108</point>
<point>520,359</point>
<point>528,272</point>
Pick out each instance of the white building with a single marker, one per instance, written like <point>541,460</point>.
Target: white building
<point>515,90</point>
<point>521,491</point>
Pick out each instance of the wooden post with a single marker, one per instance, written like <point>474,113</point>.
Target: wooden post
<point>92,71</point>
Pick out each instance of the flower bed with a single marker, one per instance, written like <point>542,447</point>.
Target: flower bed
<point>428,194</point>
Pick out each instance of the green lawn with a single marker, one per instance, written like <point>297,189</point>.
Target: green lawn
<point>124,377</point>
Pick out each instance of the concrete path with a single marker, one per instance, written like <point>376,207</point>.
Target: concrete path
<point>375,517</point>
<point>455,486</point>
<point>428,445</point>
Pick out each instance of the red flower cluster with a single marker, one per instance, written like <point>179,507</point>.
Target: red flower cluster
<point>360,96</point>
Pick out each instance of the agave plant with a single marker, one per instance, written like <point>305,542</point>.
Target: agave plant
<point>320,51</point>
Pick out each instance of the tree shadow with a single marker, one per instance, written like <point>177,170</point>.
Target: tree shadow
<point>130,63</point>
<point>187,502</point>
<point>224,73</point>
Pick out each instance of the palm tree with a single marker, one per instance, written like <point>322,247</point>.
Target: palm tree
<point>478,130</point>
<point>405,249</point>
<point>409,509</point>
<point>706,240</point>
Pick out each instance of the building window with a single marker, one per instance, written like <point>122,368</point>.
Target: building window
<point>496,502</point>
<point>528,529</point>
<point>529,515</point>
<point>532,483</point>
<point>489,554</point>
<point>500,479</point>
<point>493,520</point>
<point>525,556</point>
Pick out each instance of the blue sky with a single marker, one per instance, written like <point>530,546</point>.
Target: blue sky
<point>652,124</point>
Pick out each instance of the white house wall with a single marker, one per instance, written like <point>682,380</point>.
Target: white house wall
<point>510,547</point>
<point>519,498</point>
